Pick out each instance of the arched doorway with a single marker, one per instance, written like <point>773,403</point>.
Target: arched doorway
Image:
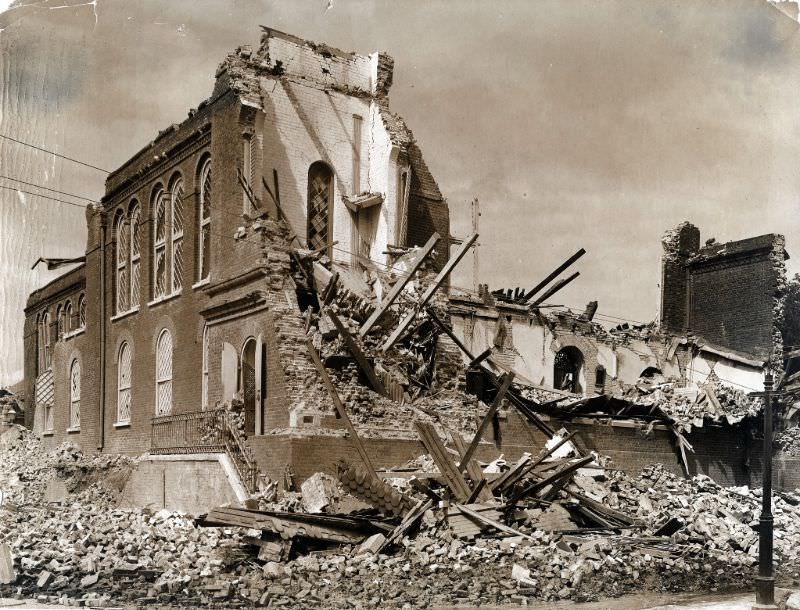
<point>568,370</point>
<point>247,385</point>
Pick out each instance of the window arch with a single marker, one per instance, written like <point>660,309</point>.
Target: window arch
<point>160,244</point>
<point>136,254</point>
<point>176,206</point>
<point>75,395</point>
<point>45,330</point>
<point>204,223</point>
<point>68,321</point>
<point>82,311</point>
<point>568,370</point>
<point>164,374</point>
<point>59,323</point>
<point>320,195</point>
<point>124,384</point>
<point>122,240</point>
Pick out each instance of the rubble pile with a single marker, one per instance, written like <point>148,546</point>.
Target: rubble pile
<point>789,441</point>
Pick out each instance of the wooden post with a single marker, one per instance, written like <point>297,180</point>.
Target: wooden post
<point>353,348</point>
<point>506,383</point>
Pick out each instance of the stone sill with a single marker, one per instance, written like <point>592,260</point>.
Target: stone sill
<point>74,333</point>
<point>124,314</point>
<point>201,283</point>
<point>48,432</point>
<point>122,424</point>
<point>164,298</point>
<point>73,430</point>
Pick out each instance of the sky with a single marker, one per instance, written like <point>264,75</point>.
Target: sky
<point>594,124</point>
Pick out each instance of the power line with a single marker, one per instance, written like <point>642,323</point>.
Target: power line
<point>47,188</point>
<point>16,190</point>
<point>100,169</point>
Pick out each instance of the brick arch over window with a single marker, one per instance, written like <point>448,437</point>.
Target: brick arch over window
<point>121,253</point>
<point>134,215</point>
<point>204,219</point>
<point>75,395</point>
<point>176,196</point>
<point>164,373</point>
<point>160,238</point>
<point>124,356</point>
<point>319,219</point>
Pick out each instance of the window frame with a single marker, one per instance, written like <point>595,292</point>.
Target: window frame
<point>176,233</point>
<point>160,244</point>
<point>204,223</point>
<point>124,349</point>
<point>74,396</point>
<point>135,255</point>
<point>165,380</point>
<point>81,312</point>
<point>121,254</point>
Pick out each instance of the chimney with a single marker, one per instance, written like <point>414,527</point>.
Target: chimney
<point>680,244</point>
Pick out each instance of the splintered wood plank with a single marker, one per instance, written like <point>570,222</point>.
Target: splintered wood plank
<point>438,452</point>
<point>399,286</point>
<point>337,402</point>
<point>555,288</point>
<point>553,275</point>
<point>489,521</point>
<point>440,278</point>
<point>354,349</point>
<point>481,492</point>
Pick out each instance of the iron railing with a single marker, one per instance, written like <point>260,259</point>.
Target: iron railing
<point>205,432</point>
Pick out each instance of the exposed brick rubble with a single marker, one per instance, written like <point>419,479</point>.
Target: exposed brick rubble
<point>142,557</point>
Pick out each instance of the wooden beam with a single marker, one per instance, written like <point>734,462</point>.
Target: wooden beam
<point>354,349</point>
<point>440,278</point>
<point>495,524</point>
<point>441,457</point>
<point>399,286</point>
<point>474,472</point>
<point>483,356</point>
<point>556,476</point>
<point>248,191</point>
<point>529,295</point>
<point>337,402</point>
<point>277,199</point>
<point>487,419</point>
<point>555,288</point>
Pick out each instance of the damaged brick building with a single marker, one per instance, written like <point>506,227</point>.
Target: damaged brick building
<point>178,306</point>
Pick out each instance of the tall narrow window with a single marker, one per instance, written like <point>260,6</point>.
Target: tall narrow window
<point>46,340</point>
<point>124,384</point>
<point>75,395</point>
<point>82,311</point>
<point>204,219</point>
<point>69,323</point>
<point>121,255</point>
<point>205,369</point>
<point>136,255</point>
<point>357,122</point>
<point>164,374</point>
<point>320,181</point>
<point>160,245</point>
<point>177,235</point>
<point>59,323</point>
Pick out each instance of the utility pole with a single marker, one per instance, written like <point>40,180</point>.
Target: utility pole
<point>475,216</point>
<point>765,581</point>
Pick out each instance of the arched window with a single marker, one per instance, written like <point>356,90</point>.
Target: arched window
<point>68,321</point>
<point>205,369</point>
<point>160,244</point>
<point>320,195</point>
<point>177,234</point>
<point>121,263</point>
<point>82,311</point>
<point>204,222</point>
<point>136,255</point>
<point>568,370</point>
<point>164,374</point>
<point>124,384</point>
<point>75,395</point>
<point>45,329</point>
<point>59,323</point>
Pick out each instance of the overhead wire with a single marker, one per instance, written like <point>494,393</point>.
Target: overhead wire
<point>47,188</point>
<point>52,152</point>
<point>11,188</point>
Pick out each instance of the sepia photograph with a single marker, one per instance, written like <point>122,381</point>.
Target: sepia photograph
<point>373,304</point>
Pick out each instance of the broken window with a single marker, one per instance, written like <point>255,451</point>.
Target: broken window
<point>320,192</point>
<point>124,384</point>
<point>135,255</point>
<point>45,331</point>
<point>160,245</point>
<point>177,235</point>
<point>59,323</point>
<point>164,374</point>
<point>568,370</point>
<point>68,323</point>
<point>600,377</point>
<point>121,254</point>
<point>75,395</point>
<point>204,218</point>
<point>82,311</point>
